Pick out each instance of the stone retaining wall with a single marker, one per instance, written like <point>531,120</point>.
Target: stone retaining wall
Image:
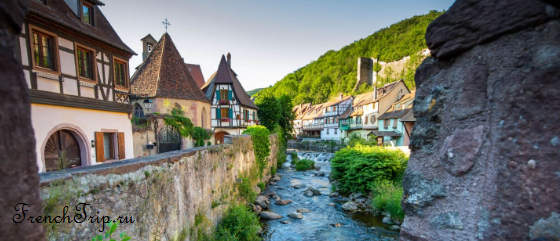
<point>162,193</point>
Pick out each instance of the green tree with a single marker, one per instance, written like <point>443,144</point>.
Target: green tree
<point>269,110</point>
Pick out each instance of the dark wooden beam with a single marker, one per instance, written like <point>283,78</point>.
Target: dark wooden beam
<point>48,98</point>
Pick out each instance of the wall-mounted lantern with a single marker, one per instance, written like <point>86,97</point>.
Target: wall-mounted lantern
<point>92,143</point>
<point>148,104</point>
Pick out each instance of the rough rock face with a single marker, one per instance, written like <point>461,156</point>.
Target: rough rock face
<point>19,180</point>
<point>485,147</point>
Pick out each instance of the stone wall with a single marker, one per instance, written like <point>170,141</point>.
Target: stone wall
<point>163,193</point>
<point>485,147</point>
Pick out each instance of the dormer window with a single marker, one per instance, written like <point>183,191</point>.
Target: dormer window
<point>87,14</point>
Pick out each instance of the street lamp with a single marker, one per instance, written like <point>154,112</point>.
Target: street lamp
<point>148,104</point>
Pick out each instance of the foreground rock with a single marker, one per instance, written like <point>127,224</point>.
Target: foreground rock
<point>350,207</point>
<point>310,192</point>
<point>387,220</point>
<point>299,186</point>
<point>262,201</point>
<point>295,215</point>
<point>270,215</point>
<point>480,167</point>
<point>334,194</point>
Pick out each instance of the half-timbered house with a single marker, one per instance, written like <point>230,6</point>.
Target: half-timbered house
<point>232,108</point>
<point>76,68</point>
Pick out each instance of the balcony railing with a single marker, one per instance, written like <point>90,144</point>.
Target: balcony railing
<point>313,126</point>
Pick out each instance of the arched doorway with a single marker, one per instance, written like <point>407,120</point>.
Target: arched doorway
<point>169,139</point>
<point>62,151</point>
<point>219,137</point>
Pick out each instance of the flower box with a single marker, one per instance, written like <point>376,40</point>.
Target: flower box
<point>223,102</point>
<point>225,119</point>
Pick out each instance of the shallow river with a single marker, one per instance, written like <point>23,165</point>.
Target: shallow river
<point>319,224</point>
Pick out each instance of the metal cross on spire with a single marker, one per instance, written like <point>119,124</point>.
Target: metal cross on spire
<point>166,23</point>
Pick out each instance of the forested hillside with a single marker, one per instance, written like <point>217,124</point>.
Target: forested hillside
<point>253,92</point>
<point>335,71</point>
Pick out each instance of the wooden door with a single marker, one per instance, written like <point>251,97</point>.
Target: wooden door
<point>219,137</point>
<point>62,151</point>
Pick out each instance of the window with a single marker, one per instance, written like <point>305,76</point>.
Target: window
<point>327,131</point>
<point>43,50</point>
<point>335,131</point>
<point>85,63</point>
<point>366,120</point>
<point>139,112</point>
<point>87,14</point>
<point>224,95</point>
<point>394,123</point>
<point>225,112</point>
<point>386,123</point>
<point>120,72</point>
<point>109,146</point>
<point>150,49</point>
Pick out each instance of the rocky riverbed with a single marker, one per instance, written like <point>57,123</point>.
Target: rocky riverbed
<point>302,206</point>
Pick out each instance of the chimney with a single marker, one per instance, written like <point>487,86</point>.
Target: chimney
<point>341,96</point>
<point>229,59</point>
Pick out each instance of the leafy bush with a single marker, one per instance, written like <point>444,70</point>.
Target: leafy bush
<point>273,170</point>
<point>245,190</point>
<point>261,186</point>
<point>294,155</point>
<point>358,168</point>
<point>209,143</point>
<point>387,197</point>
<point>239,223</point>
<point>261,144</point>
<point>355,139</point>
<point>305,165</point>
<point>199,135</point>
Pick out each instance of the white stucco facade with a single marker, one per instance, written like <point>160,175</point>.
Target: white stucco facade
<point>83,123</point>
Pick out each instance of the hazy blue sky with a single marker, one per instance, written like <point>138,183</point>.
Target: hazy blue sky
<point>267,38</point>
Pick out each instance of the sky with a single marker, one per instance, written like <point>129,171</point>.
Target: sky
<point>267,39</point>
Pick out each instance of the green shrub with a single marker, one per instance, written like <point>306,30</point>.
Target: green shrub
<point>280,159</point>
<point>358,168</point>
<point>294,155</point>
<point>305,165</point>
<point>356,139</point>
<point>261,186</point>
<point>109,233</point>
<point>199,135</point>
<point>261,144</point>
<point>387,197</point>
<point>245,190</point>
<point>273,170</point>
<point>209,143</point>
<point>239,223</point>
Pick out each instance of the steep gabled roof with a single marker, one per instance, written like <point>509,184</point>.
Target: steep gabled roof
<point>225,75</point>
<point>400,109</point>
<point>58,12</point>
<point>196,73</point>
<point>164,74</point>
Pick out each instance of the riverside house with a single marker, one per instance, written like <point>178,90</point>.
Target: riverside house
<point>367,107</point>
<point>76,68</point>
<point>232,109</point>
<point>299,112</point>
<point>395,125</point>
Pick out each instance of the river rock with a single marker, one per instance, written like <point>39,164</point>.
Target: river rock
<point>350,207</point>
<point>320,174</point>
<point>394,228</point>
<point>276,197</point>
<point>387,220</point>
<point>308,193</point>
<point>295,215</point>
<point>299,186</point>
<point>317,168</point>
<point>332,204</point>
<point>285,222</point>
<point>255,208</point>
<point>283,202</point>
<point>355,196</point>
<point>262,201</point>
<point>270,215</point>
<point>269,193</point>
<point>336,225</point>
<point>303,210</point>
<point>334,194</point>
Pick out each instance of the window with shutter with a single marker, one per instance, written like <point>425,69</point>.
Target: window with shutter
<point>230,113</point>
<point>120,139</point>
<point>99,152</point>
<point>394,123</point>
<point>230,95</point>
<point>217,95</point>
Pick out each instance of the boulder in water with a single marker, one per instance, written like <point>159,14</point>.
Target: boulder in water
<point>283,202</point>
<point>387,220</point>
<point>334,194</point>
<point>394,228</point>
<point>295,215</point>
<point>299,185</point>
<point>320,174</point>
<point>270,215</point>
<point>350,207</point>
<point>303,210</point>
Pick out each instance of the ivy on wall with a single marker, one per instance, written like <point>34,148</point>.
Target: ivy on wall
<point>261,144</point>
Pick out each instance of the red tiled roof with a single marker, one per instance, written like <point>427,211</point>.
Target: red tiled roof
<point>196,73</point>
<point>57,11</point>
<point>164,74</point>
<point>225,75</point>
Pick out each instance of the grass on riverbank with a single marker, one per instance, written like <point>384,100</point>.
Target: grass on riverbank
<point>387,197</point>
